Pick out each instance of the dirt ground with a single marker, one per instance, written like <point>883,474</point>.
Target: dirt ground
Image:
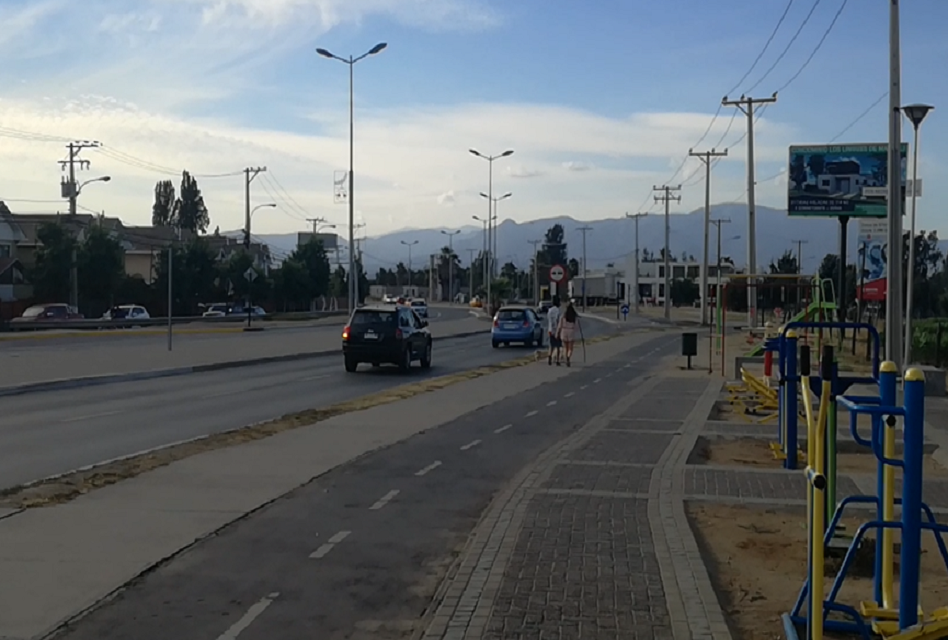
<point>757,561</point>
<point>756,452</point>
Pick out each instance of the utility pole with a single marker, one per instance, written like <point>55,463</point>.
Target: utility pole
<point>635,273</point>
<point>746,104</point>
<point>470,274</point>
<point>894,299</point>
<point>666,197</point>
<point>536,271</point>
<point>583,230</point>
<point>69,189</point>
<point>717,295</point>
<point>800,244</point>
<point>249,174</point>
<point>705,157</point>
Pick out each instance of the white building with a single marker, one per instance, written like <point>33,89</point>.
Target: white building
<point>652,279</point>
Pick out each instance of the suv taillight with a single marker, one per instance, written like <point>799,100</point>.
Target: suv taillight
<point>398,334</point>
<point>496,323</point>
<point>526,323</point>
<point>345,333</point>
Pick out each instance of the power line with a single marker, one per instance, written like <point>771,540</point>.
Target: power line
<point>787,48</point>
<point>860,117</point>
<point>816,48</point>
<point>760,55</point>
<point>279,186</point>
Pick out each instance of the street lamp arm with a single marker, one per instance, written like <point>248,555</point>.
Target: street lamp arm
<point>99,179</point>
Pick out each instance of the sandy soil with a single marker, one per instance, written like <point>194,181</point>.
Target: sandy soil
<point>756,452</point>
<point>757,561</point>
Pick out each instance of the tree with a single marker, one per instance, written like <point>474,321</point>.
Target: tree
<point>554,249</point>
<point>362,281</point>
<point>448,264</point>
<point>101,269</point>
<point>312,256</point>
<point>786,264</point>
<point>573,267</point>
<point>190,212</point>
<point>291,286</point>
<point>197,277</point>
<point>684,292</point>
<point>51,273</point>
<point>163,210</point>
<point>338,282</point>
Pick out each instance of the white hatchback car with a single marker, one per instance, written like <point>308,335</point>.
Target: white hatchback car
<point>419,306</point>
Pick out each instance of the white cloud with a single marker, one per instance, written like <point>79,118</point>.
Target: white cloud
<point>447,198</point>
<point>577,166</point>
<point>520,171</point>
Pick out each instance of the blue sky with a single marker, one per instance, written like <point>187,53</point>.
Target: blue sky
<point>600,101</point>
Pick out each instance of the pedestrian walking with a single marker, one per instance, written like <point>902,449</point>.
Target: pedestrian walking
<point>567,330</point>
<point>552,326</point>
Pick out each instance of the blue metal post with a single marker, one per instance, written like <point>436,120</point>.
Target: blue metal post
<point>888,374</point>
<point>790,390</point>
<point>913,436</point>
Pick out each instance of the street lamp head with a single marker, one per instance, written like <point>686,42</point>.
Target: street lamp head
<point>508,152</point>
<point>475,152</point>
<point>484,195</point>
<point>377,48</point>
<point>916,113</point>
<point>325,53</point>
<point>105,178</point>
<point>506,195</point>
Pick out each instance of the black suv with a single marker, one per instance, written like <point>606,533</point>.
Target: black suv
<point>386,334</point>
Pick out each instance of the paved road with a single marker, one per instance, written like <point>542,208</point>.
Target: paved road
<point>53,432</point>
<point>359,552</point>
<point>91,341</point>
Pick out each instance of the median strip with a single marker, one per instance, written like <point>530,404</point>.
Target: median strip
<point>67,487</point>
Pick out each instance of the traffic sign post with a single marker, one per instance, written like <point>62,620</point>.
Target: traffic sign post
<point>625,311</point>
<point>250,275</point>
<point>557,275</point>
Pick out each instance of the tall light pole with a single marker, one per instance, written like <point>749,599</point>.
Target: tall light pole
<point>583,230</point>
<point>495,226</point>
<point>916,113</point>
<point>451,235</point>
<point>491,212</point>
<point>893,305</point>
<point>409,245</point>
<point>717,290</point>
<point>353,281</point>
<point>536,271</point>
<point>484,251</point>
<point>635,273</point>
<point>73,206</point>
<point>666,197</point>
<point>706,157</point>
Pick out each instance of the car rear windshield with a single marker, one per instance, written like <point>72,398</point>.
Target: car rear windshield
<point>510,314</point>
<point>373,317</point>
<point>417,303</point>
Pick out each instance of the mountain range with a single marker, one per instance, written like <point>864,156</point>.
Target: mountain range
<point>610,240</point>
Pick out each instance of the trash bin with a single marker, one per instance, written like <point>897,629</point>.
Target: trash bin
<point>689,344</point>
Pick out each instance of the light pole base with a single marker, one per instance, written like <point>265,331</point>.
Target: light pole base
<point>253,329</point>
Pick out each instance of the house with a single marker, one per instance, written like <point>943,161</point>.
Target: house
<point>225,246</point>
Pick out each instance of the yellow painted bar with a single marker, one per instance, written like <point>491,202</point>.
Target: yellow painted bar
<point>818,526</point>
<point>888,509</point>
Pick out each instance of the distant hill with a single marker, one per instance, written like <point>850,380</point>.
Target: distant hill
<point>612,239</point>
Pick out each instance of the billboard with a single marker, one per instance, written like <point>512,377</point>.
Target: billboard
<point>330,240</point>
<point>871,260</point>
<point>840,180</point>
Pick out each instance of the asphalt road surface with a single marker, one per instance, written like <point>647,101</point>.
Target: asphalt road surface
<point>181,340</point>
<point>48,433</point>
<point>359,552</point>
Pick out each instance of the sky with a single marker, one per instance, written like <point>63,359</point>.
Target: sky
<point>599,101</point>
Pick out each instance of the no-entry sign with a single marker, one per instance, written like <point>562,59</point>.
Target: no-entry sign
<point>557,273</point>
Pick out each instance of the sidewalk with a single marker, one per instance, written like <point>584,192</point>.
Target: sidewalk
<point>26,370</point>
<point>69,557</point>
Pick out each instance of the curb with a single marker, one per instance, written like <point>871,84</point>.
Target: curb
<point>92,381</point>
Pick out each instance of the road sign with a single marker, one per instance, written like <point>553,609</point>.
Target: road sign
<point>557,273</point>
<point>250,274</point>
<point>340,187</point>
<point>625,309</point>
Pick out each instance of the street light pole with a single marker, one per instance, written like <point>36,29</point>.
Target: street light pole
<point>583,230</point>
<point>451,235</point>
<point>536,272</point>
<point>491,212</point>
<point>73,210</point>
<point>916,113</point>
<point>635,275</point>
<point>717,291</point>
<point>351,61</point>
<point>409,245</point>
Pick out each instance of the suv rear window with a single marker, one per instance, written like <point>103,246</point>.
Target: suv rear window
<point>510,314</point>
<point>373,317</point>
<point>417,303</point>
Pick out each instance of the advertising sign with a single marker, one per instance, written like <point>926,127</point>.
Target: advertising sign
<point>872,260</point>
<point>840,180</point>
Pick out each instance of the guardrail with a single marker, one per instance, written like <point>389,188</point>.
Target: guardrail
<point>96,324</point>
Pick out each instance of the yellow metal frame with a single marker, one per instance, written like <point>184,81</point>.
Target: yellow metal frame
<point>816,499</point>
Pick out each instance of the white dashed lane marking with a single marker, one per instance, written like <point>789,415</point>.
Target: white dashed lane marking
<point>597,380</point>
<point>532,413</point>
<point>503,428</point>
<point>583,387</point>
<point>252,614</point>
<point>470,445</point>
<point>551,403</point>
<point>384,500</point>
<point>431,467</point>
<point>91,416</point>
<point>570,394</point>
<point>327,547</point>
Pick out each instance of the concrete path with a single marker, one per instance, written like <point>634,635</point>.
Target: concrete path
<point>30,366</point>
<point>68,558</point>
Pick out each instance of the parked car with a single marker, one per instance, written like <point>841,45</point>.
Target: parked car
<point>388,298</point>
<point>217,310</point>
<point>49,313</point>
<point>241,310</point>
<point>383,334</point>
<point>419,306</point>
<point>516,324</point>
<point>130,311</point>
